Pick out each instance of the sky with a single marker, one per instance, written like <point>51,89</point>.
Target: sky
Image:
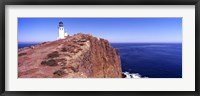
<point>115,30</point>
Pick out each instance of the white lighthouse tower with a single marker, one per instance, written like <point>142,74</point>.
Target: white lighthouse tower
<point>61,31</point>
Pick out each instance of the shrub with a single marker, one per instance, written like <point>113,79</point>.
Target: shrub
<point>21,54</point>
<point>53,54</point>
<point>49,63</point>
<point>74,69</point>
<point>81,44</point>
<point>59,72</point>
<point>43,62</point>
<point>68,55</point>
<point>44,42</point>
<point>64,49</point>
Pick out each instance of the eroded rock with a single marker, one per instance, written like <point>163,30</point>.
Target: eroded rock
<point>78,56</point>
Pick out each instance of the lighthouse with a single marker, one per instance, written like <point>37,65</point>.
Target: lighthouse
<point>61,31</point>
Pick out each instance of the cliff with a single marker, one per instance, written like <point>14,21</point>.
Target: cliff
<point>78,56</point>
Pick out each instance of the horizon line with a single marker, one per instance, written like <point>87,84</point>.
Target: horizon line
<point>109,42</point>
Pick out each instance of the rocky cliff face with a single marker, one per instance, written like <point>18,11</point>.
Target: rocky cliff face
<point>78,56</point>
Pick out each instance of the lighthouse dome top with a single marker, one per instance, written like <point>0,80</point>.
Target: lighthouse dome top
<point>60,24</point>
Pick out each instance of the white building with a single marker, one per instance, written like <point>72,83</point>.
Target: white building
<point>61,31</point>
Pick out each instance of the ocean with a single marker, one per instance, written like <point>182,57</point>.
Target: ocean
<point>22,45</point>
<point>151,60</point>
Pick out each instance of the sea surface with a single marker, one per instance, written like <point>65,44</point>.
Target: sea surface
<point>22,45</point>
<point>151,60</point>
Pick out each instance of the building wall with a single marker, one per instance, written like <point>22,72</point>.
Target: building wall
<point>61,33</point>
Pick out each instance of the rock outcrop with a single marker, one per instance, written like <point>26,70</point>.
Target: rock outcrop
<point>78,56</point>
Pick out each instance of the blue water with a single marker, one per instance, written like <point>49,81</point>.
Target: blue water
<point>151,60</point>
<point>22,45</point>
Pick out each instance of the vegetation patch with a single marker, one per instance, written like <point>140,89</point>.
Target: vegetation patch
<point>49,63</point>
<point>64,49</point>
<point>59,72</point>
<point>64,67</point>
<point>68,55</point>
<point>21,54</point>
<point>44,42</point>
<point>81,44</point>
<point>74,69</point>
<point>53,54</point>
<point>83,40</point>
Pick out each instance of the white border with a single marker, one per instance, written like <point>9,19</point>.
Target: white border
<point>187,83</point>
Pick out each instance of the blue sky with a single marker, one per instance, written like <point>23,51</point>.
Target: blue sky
<point>115,30</point>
